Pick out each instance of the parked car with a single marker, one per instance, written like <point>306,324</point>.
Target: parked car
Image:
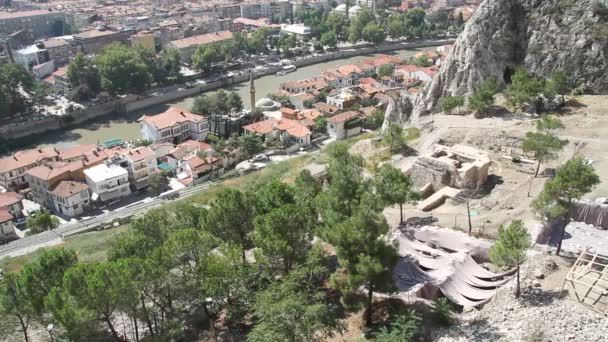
<point>260,157</point>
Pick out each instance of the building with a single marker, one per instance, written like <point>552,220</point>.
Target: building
<point>7,228</point>
<point>343,99</point>
<point>344,125</point>
<point>93,41</point>
<point>348,75</point>
<point>70,198</point>
<point>14,167</point>
<point>231,11</point>
<point>249,25</point>
<point>141,164</point>
<point>175,159</point>
<point>30,56</point>
<point>301,31</point>
<point>290,132</point>
<point>59,49</point>
<point>145,39</point>
<point>175,125</point>
<point>43,70</point>
<point>107,182</point>
<point>253,10</point>
<point>61,82</point>
<point>11,202</point>
<point>307,85</point>
<point>44,177</point>
<point>39,23</point>
<point>187,46</point>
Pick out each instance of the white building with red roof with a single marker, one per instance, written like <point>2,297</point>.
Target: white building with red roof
<point>70,198</point>
<point>7,228</point>
<point>292,132</point>
<point>175,125</point>
<point>11,201</point>
<point>141,164</point>
<point>13,168</point>
<point>344,125</point>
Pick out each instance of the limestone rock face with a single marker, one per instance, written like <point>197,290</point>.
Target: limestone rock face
<point>541,35</point>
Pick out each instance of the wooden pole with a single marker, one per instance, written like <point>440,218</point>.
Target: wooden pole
<point>469,216</point>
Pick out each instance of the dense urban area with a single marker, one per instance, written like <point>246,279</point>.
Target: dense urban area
<point>303,170</point>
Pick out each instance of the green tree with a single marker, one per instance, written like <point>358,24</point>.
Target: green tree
<point>122,70</point>
<point>558,84</point>
<point>158,181</point>
<point>250,145</point>
<point>306,186</point>
<point>483,98</point>
<point>404,328</point>
<point>385,70</point>
<point>510,248</point>
<point>170,65</point>
<point>396,26</point>
<point>423,61</point>
<point>294,310</point>
<point>544,145</point>
<point>15,82</point>
<point>205,104</point>
<point>320,124</point>
<point>449,103</point>
<point>230,218</point>
<point>258,40</point>
<point>82,71</point>
<point>394,137</point>
<point>394,187</point>
<point>283,235</point>
<point>524,88</point>
<point>204,57</point>
<point>329,38</point>
<point>376,120</point>
<point>373,33</point>
<point>572,180</point>
<point>365,258</point>
<point>235,101</point>
<point>41,222</point>
<point>287,42</point>
<point>549,123</point>
<point>14,301</point>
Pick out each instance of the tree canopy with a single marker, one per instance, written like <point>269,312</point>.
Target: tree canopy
<point>510,248</point>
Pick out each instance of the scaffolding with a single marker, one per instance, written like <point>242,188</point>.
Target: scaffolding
<point>587,280</point>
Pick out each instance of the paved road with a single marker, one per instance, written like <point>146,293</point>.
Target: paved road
<point>30,243</point>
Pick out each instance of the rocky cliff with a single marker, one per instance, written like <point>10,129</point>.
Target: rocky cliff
<point>541,35</point>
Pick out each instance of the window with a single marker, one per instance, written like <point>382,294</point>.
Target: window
<point>332,126</point>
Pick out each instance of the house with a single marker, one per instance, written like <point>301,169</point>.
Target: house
<point>348,75</point>
<point>307,85</point>
<point>44,177</point>
<point>175,125</point>
<point>187,46</point>
<point>43,70</point>
<point>345,98</point>
<point>61,82</point>
<point>144,39</point>
<point>344,125</point>
<point>382,60</point>
<point>196,167</point>
<point>30,56</point>
<point>91,154</point>
<point>108,181</point>
<point>11,202</point>
<point>175,159</point>
<point>325,108</point>
<point>13,168</point>
<point>7,228</point>
<point>70,198</point>
<point>288,131</point>
<point>301,100</point>
<point>36,23</point>
<point>249,25</point>
<point>141,164</point>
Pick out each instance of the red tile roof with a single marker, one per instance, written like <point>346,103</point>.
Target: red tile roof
<point>51,170</point>
<point>343,117</point>
<point>170,118</point>
<point>140,153</point>
<point>66,189</point>
<point>27,157</point>
<point>202,39</point>
<point>5,215</point>
<point>9,198</point>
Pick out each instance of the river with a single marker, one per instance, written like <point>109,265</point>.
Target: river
<point>126,126</point>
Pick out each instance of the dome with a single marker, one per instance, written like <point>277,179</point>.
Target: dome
<point>267,104</point>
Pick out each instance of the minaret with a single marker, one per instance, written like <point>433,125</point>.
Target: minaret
<point>251,91</point>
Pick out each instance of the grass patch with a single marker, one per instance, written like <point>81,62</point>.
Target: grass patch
<point>92,246</point>
<point>411,134</point>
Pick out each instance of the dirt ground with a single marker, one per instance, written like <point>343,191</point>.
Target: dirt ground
<point>586,126</point>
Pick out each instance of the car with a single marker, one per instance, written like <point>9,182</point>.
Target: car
<point>260,157</point>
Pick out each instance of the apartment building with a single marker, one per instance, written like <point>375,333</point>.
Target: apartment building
<point>14,167</point>
<point>59,49</point>
<point>44,177</point>
<point>348,75</point>
<point>70,198</point>
<point>175,125</point>
<point>141,164</point>
<point>187,46</point>
<point>107,182</point>
<point>36,24</point>
<point>93,41</point>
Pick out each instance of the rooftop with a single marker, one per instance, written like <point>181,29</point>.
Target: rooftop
<point>27,157</point>
<point>202,39</point>
<point>5,216</point>
<point>9,198</point>
<point>67,189</point>
<point>51,170</point>
<point>13,15</point>
<point>104,172</point>
<point>170,118</point>
<point>343,117</point>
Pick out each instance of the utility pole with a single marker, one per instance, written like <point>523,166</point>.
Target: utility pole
<point>251,91</point>
<point>469,216</point>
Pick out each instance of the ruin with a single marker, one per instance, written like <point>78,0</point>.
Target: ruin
<point>447,171</point>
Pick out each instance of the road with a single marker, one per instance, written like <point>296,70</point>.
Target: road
<point>53,237</point>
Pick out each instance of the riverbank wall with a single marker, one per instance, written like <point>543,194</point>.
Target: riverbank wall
<point>130,103</point>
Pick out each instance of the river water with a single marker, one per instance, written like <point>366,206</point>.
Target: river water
<point>126,126</point>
